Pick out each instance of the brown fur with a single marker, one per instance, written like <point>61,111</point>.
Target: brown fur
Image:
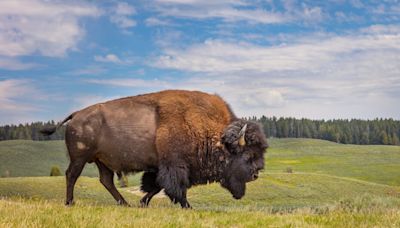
<point>180,138</point>
<point>189,126</point>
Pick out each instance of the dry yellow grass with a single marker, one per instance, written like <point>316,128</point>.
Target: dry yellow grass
<point>31,213</point>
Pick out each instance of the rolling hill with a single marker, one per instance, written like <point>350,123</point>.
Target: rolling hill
<point>373,163</point>
<point>379,164</point>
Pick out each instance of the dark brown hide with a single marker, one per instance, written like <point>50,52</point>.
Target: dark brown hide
<point>179,138</point>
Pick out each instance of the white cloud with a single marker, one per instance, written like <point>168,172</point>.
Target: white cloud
<point>14,64</point>
<point>255,12</point>
<point>84,101</point>
<point>357,3</point>
<point>34,26</point>
<point>16,101</point>
<point>153,21</point>
<point>136,83</point>
<point>303,54</point>
<point>229,11</point>
<point>89,70</point>
<point>12,90</point>
<point>247,98</point>
<point>111,58</point>
<point>322,76</point>
<point>312,13</point>
<point>121,15</point>
<point>299,94</point>
<point>169,38</point>
<point>347,17</point>
<point>299,11</point>
<point>265,98</point>
<point>382,29</point>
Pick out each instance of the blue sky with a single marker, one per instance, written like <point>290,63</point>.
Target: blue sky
<point>314,59</point>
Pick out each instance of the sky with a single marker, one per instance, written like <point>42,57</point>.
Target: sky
<point>314,59</point>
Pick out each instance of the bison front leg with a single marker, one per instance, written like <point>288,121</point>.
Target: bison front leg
<point>174,178</point>
<point>150,186</point>
<point>184,203</point>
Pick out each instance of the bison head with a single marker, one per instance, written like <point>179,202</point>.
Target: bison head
<point>246,144</point>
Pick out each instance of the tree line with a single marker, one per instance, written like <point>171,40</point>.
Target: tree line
<point>30,131</point>
<point>354,131</point>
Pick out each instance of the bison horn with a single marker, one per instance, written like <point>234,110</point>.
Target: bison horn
<point>242,134</point>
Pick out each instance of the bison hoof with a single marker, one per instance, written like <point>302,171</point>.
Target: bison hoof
<point>123,203</point>
<point>69,203</point>
<point>143,204</point>
<point>186,205</point>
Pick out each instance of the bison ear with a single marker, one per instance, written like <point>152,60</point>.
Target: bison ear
<point>242,135</point>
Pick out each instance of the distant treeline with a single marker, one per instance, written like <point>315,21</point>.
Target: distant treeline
<point>30,131</point>
<point>377,131</point>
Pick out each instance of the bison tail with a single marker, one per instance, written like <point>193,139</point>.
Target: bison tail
<point>50,130</point>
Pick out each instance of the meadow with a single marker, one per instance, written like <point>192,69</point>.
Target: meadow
<point>306,183</point>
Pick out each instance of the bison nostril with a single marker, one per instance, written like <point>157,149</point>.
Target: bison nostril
<point>255,176</point>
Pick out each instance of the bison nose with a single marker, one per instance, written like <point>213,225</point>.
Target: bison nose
<point>237,197</point>
<point>255,176</point>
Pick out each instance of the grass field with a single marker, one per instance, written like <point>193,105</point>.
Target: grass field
<point>291,200</point>
<point>24,213</point>
<point>331,185</point>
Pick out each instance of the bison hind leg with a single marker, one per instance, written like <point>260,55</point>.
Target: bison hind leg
<point>107,179</point>
<point>174,178</point>
<point>150,186</point>
<point>72,173</point>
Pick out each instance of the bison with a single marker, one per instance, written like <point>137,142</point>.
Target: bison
<point>178,138</point>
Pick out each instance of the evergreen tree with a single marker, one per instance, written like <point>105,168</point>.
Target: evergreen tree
<point>384,138</point>
<point>395,139</point>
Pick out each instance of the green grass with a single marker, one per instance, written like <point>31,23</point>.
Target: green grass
<point>274,192</point>
<point>374,163</point>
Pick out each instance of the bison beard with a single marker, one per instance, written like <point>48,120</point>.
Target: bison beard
<point>178,138</point>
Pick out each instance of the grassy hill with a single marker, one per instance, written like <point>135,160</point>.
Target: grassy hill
<point>374,163</point>
<point>35,158</point>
